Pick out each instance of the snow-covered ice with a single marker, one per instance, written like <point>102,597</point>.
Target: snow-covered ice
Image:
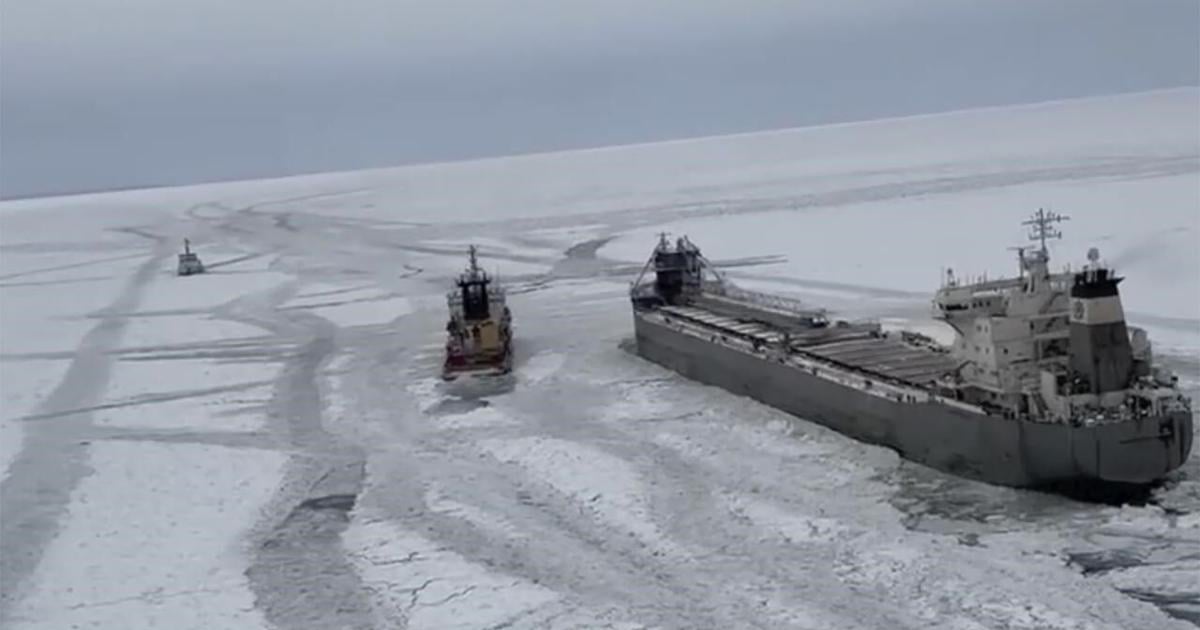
<point>148,549</point>
<point>350,306</point>
<point>542,366</point>
<point>596,481</point>
<point>416,583</point>
<point>23,386</point>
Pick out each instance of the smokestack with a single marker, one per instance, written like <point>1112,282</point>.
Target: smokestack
<point>1101,354</point>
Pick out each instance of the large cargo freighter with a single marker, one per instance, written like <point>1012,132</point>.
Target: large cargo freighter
<point>1044,384</point>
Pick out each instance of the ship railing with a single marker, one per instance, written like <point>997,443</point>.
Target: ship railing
<point>868,380</point>
<point>644,290</point>
<point>1056,282</point>
<point>1092,416</point>
<point>831,369</point>
<point>778,302</point>
<point>495,294</point>
<point>1084,415</point>
<point>978,286</point>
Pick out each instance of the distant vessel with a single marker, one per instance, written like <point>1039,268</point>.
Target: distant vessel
<point>1045,383</point>
<point>479,330</point>
<point>189,262</point>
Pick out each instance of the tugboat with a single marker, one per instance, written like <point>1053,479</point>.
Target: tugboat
<point>1044,386</point>
<point>189,262</point>
<point>479,331</point>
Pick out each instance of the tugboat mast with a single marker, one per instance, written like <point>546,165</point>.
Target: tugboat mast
<point>473,272</point>
<point>474,268</point>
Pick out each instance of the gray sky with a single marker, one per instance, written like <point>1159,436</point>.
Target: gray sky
<point>98,94</point>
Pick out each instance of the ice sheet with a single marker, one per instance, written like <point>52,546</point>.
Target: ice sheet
<point>350,306</point>
<point>23,386</point>
<point>142,548</point>
<point>415,583</point>
<point>594,483</point>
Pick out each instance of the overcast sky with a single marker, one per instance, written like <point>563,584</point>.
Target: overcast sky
<point>98,94</point>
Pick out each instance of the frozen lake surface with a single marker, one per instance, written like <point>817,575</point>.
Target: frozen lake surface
<point>269,445</point>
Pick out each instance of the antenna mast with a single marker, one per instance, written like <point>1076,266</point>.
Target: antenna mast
<point>1040,228</point>
<point>1020,249</point>
<point>663,243</point>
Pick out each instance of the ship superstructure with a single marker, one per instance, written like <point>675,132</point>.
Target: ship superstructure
<point>479,329</point>
<point>1044,383</point>
<point>1053,346</point>
<point>189,262</point>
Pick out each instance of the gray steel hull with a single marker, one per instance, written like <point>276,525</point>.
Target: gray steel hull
<point>984,447</point>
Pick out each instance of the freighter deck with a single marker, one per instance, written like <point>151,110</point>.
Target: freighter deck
<point>850,347</point>
<point>889,357</point>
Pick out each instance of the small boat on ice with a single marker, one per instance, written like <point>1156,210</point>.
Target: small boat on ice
<point>189,262</point>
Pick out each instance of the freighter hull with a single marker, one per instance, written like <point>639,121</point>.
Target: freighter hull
<point>951,438</point>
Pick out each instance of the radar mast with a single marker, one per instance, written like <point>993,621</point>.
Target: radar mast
<point>1041,228</point>
<point>473,268</point>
